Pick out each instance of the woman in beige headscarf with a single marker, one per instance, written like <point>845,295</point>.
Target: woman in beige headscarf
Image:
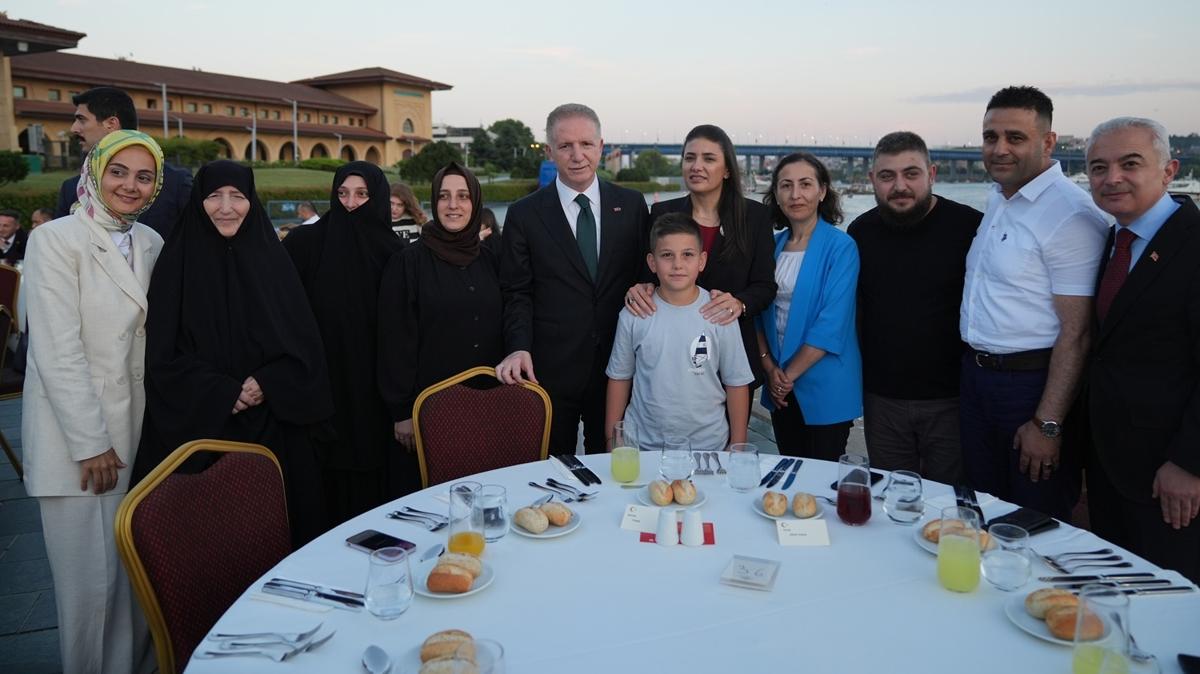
<point>86,276</point>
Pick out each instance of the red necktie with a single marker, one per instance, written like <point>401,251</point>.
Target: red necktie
<point>1115,273</point>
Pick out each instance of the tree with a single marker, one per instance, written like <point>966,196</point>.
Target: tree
<point>189,151</point>
<point>513,140</point>
<point>632,175</point>
<point>654,164</point>
<point>13,168</point>
<point>429,160</point>
<point>483,150</point>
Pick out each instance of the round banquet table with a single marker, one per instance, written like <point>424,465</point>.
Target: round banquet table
<point>599,600</point>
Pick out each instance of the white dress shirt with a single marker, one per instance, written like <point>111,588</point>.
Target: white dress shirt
<point>124,243</point>
<point>1046,240</point>
<point>566,197</point>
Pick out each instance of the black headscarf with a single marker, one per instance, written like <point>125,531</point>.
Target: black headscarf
<point>221,310</point>
<point>462,247</point>
<point>341,258</point>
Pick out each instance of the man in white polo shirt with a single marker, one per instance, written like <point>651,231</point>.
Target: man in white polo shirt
<point>1026,309</point>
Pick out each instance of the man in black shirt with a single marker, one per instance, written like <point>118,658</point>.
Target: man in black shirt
<point>913,250</point>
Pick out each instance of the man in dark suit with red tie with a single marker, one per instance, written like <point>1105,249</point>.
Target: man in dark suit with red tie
<point>570,251</point>
<point>1143,474</point>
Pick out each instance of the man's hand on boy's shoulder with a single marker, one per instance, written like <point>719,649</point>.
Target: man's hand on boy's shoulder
<point>640,300</point>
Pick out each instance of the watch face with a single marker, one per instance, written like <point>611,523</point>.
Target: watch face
<point>1051,429</point>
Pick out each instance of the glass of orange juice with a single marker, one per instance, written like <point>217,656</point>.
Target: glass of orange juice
<point>466,536</point>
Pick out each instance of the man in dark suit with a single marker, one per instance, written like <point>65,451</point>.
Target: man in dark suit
<point>570,251</point>
<point>12,237</point>
<point>99,112</point>
<point>1143,474</point>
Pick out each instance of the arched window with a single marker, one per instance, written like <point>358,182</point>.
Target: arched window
<point>408,126</point>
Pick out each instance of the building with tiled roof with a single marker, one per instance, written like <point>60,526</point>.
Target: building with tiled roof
<point>375,114</point>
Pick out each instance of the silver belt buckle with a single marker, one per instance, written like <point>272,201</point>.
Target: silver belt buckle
<point>979,355</point>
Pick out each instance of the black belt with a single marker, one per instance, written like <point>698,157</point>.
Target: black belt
<point>1038,359</point>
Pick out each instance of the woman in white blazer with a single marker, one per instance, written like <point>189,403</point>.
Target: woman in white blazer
<point>86,276</point>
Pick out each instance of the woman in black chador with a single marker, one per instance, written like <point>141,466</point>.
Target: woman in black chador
<point>233,351</point>
<point>341,259</point>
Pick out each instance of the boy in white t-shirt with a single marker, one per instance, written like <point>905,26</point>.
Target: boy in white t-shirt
<point>689,377</point>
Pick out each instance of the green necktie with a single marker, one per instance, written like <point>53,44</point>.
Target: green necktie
<point>585,233</point>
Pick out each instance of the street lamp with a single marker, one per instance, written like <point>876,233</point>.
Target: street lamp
<point>339,137</point>
<point>295,132</point>
<point>253,129</point>
<point>179,123</point>
<point>163,85</point>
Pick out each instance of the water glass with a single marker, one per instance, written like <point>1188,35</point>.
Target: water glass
<point>676,461</point>
<point>1007,564</point>
<point>854,489</point>
<point>626,457</point>
<point>958,550</point>
<point>744,471</point>
<point>389,583</point>
<point>902,497</point>
<point>487,654</point>
<point>465,535</point>
<point>490,512</point>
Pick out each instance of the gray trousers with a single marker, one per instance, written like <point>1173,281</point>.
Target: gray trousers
<point>917,435</point>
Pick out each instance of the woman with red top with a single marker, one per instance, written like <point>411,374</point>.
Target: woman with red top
<point>740,274</point>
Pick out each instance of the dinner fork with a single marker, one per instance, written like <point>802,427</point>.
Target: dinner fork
<point>826,499</point>
<point>429,524</point>
<point>294,637</point>
<point>277,656</point>
<point>696,456</point>
<point>578,493</point>
<point>720,469</point>
<point>428,514</point>
<point>562,494</point>
<point>1088,553</point>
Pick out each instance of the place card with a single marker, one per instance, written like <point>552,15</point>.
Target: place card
<point>751,572</point>
<point>640,518</point>
<point>802,532</point>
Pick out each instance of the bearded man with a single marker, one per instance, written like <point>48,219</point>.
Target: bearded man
<point>913,247</point>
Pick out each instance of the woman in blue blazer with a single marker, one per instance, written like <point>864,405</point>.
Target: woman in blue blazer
<point>806,337</point>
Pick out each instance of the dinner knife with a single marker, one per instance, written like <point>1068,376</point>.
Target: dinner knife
<point>587,471</point>
<point>1076,584</point>
<point>792,475</point>
<point>1102,576</point>
<point>965,497</point>
<point>316,596</point>
<point>301,585</point>
<point>779,474</point>
<point>771,473</point>
<point>577,468</point>
<point>1173,589</point>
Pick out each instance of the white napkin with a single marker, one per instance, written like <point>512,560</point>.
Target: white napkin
<point>291,603</point>
<point>564,471</point>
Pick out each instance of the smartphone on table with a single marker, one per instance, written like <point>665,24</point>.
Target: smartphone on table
<point>370,540</point>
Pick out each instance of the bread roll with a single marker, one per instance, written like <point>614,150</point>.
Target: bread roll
<point>1039,602</point>
<point>804,505</point>
<point>1061,622</point>
<point>660,492</point>
<point>775,504</point>
<point>446,643</point>
<point>557,513</point>
<point>533,520</point>
<point>449,666</point>
<point>684,491</point>
<point>468,563</point>
<point>985,540</point>
<point>449,578</point>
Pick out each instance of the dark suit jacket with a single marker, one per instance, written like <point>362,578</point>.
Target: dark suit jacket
<point>1144,369</point>
<point>552,308</point>
<point>750,277</point>
<point>17,250</point>
<point>163,213</point>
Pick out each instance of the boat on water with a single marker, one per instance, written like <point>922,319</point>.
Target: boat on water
<point>1081,179</point>
<point>1189,186</point>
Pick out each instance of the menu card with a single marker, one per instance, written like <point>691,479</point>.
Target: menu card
<point>802,532</point>
<point>640,518</point>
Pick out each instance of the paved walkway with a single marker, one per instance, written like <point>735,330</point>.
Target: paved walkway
<point>28,623</point>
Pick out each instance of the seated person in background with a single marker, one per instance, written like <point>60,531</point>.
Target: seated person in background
<point>307,213</point>
<point>489,231</point>
<point>692,376</point>
<point>40,217</point>
<point>12,237</point>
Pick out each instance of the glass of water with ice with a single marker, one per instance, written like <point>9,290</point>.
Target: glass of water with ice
<point>1006,563</point>
<point>744,473</point>
<point>489,513</point>
<point>902,497</point>
<point>389,583</point>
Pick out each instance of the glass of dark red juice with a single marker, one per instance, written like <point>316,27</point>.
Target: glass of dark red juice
<point>854,489</point>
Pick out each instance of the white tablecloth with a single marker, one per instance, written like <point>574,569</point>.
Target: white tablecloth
<point>598,600</point>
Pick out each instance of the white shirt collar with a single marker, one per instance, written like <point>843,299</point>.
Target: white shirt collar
<point>1034,188</point>
<point>566,195</point>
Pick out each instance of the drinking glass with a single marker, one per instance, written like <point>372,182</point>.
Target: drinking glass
<point>854,489</point>
<point>1110,653</point>
<point>676,462</point>
<point>958,549</point>
<point>490,512</point>
<point>744,473</point>
<point>389,583</point>
<point>902,497</point>
<point>465,536</point>
<point>1007,564</point>
<point>626,456</point>
<point>487,654</point>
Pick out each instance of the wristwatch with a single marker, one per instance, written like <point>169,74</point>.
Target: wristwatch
<point>1048,427</point>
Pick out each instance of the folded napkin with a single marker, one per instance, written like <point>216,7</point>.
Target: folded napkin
<point>291,603</point>
<point>947,500</point>
<point>564,471</point>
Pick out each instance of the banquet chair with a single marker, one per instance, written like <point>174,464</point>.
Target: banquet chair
<point>193,543</point>
<point>12,384</point>
<point>10,285</point>
<point>461,430</point>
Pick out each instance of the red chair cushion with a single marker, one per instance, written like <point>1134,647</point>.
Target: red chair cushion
<point>204,538</point>
<point>466,430</point>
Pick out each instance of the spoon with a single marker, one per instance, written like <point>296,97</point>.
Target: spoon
<point>376,660</point>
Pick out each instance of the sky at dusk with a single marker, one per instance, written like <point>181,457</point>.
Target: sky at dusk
<point>804,71</point>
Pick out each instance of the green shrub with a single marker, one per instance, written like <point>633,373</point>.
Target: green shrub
<point>632,175</point>
<point>13,168</point>
<point>189,151</point>
<point>321,164</point>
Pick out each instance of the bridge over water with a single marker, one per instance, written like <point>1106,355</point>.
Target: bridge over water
<point>951,161</point>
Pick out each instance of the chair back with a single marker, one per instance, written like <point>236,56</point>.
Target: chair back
<point>10,285</point>
<point>12,383</point>
<point>193,543</point>
<point>462,430</point>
